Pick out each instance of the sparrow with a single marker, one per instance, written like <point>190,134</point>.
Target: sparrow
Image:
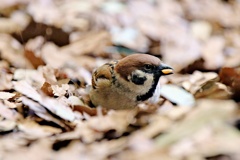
<point>122,84</point>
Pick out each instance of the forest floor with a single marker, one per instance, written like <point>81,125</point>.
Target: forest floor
<point>48,50</point>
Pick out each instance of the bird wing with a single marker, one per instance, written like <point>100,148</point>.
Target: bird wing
<point>102,77</point>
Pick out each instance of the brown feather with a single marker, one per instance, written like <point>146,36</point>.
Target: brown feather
<point>103,72</point>
<point>135,61</point>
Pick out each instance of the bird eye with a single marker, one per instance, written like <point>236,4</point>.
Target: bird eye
<point>148,67</point>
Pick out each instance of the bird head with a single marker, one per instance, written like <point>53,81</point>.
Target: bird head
<point>140,73</point>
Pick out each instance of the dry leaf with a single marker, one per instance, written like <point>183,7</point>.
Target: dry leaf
<point>206,112</point>
<point>7,125</point>
<point>12,51</point>
<point>7,113</point>
<point>231,77</point>
<point>29,75</point>
<point>131,38</point>
<point>5,81</point>
<point>6,95</point>
<point>213,52</point>
<point>201,30</point>
<point>177,95</point>
<point>213,89</point>
<point>74,37</point>
<point>51,104</point>
<point>35,61</point>
<point>47,89</point>
<point>93,42</point>
<point>44,114</point>
<point>34,130</point>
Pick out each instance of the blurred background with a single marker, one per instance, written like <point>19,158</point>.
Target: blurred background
<point>187,34</point>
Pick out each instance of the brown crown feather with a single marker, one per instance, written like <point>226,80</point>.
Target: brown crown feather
<point>135,61</point>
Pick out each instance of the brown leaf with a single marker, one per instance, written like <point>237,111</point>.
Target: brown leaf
<point>36,61</point>
<point>47,89</point>
<point>228,75</point>
<point>231,77</point>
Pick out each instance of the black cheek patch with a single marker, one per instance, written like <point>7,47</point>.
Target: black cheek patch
<point>138,80</point>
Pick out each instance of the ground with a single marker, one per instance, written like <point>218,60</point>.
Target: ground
<point>50,48</point>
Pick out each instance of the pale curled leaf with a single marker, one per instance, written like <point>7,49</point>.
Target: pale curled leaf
<point>120,122</point>
<point>51,104</point>
<point>58,108</point>
<point>12,51</point>
<point>29,75</point>
<point>5,81</point>
<point>73,100</point>
<point>26,89</point>
<point>7,113</point>
<point>95,42</point>
<point>40,111</point>
<point>60,90</point>
<point>212,52</point>
<point>10,104</point>
<point>206,112</point>
<point>34,130</point>
<point>48,73</point>
<point>212,89</point>
<point>131,38</point>
<point>201,29</point>
<point>18,149</point>
<point>15,23</point>
<point>7,125</point>
<point>177,95</point>
<point>194,81</point>
<point>6,95</point>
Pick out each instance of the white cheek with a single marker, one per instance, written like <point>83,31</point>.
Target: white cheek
<point>140,73</point>
<point>142,89</point>
<point>131,88</point>
<point>148,83</point>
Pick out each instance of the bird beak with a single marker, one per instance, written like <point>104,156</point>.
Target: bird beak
<point>165,69</point>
